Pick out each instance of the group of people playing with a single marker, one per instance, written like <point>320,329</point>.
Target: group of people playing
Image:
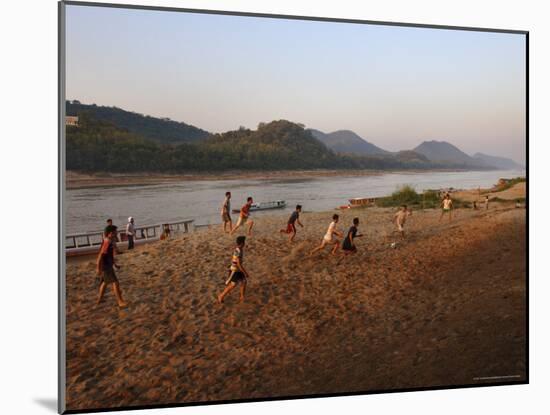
<point>237,274</point>
<point>244,215</point>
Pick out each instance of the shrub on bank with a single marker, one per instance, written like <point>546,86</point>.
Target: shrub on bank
<point>406,195</point>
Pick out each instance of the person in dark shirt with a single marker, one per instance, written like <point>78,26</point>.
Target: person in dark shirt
<point>291,224</point>
<point>109,228</point>
<point>348,247</point>
<point>165,232</point>
<point>106,268</point>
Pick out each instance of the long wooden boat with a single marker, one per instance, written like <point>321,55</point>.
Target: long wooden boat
<point>362,202</point>
<point>276,204</point>
<point>89,243</point>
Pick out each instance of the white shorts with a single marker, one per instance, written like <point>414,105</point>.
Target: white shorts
<point>328,238</point>
<point>400,227</point>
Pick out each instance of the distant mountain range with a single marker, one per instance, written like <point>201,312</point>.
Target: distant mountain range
<point>498,162</point>
<point>253,149</point>
<point>444,152</point>
<point>348,142</point>
<point>345,141</point>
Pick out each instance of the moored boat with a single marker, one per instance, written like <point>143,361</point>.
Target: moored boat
<point>362,201</point>
<point>276,204</point>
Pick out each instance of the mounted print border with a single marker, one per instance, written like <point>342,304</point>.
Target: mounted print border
<point>313,301</point>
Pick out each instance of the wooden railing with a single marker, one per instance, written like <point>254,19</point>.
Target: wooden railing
<point>143,233</point>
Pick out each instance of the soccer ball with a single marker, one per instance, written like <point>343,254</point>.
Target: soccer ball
<point>393,245</point>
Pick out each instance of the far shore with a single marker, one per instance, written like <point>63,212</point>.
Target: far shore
<point>78,180</point>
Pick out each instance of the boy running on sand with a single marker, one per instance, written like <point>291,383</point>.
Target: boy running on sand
<point>291,227</point>
<point>244,217</point>
<point>329,237</point>
<point>237,272</point>
<point>226,212</point>
<point>446,207</point>
<point>348,247</point>
<point>400,217</point>
<point>105,268</point>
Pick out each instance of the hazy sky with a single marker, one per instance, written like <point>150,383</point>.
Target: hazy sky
<point>393,86</point>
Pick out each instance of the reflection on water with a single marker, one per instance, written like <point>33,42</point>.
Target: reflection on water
<point>87,209</point>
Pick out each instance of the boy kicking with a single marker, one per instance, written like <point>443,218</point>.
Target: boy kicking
<point>105,268</point>
<point>348,247</point>
<point>237,273</point>
<point>291,227</point>
<point>329,238</point>
<point>244,217</point>
<point>400,218</point>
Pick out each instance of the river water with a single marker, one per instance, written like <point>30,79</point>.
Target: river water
<point>87,209</point>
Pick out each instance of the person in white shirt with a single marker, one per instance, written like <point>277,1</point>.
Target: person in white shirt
<point>329,238</point>
<point>446,207</point>
<point>130,232</point>
<point>400,217</point>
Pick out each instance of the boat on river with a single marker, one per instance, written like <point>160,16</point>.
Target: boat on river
<point>276,204</point>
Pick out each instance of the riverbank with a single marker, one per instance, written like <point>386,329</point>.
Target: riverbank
<point>446,307</point>
<point>78,180</point>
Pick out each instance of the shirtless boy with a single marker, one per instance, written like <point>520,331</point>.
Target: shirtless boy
<point>329,238</point>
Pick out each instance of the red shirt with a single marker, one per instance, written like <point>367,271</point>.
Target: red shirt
<point>244,210</point>
<point>107,254</point>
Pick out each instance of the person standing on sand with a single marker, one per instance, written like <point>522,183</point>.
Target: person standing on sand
<point>165,232</point>
<point>244,217</point>
<point>446,207</point>
<point>291,227</point>
<point>237,272</point>
<point>226,212</point>
<point>130,232</point>
<point>105,268</point>
<point>400,218</point>
<point>329,238</point>
<point>487,202</point>
<point>348,247</point>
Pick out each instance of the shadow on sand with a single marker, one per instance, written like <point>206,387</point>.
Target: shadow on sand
<point>48,403</point>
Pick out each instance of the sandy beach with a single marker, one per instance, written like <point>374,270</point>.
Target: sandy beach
<point>445,307</point>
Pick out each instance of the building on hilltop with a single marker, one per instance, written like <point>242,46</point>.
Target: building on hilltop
<point>71,120</point>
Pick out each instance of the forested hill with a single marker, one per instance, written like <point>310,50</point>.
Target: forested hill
<point>161,130</point>
<point>100,146</point>
<point>275,145</point>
